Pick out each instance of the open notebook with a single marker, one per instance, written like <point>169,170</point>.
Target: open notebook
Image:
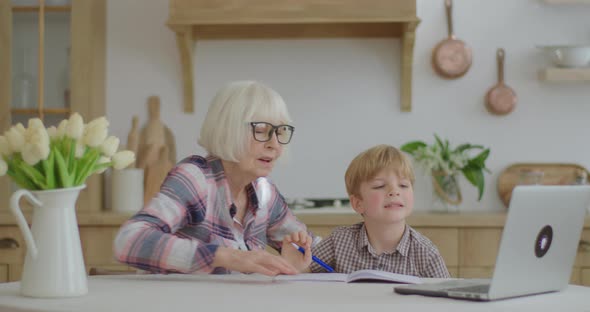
<point>356,276</point>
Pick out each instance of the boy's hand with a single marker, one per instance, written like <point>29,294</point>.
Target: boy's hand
<point>300,261</point>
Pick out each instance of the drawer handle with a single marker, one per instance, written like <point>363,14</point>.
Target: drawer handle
<point>584,245</point>
<point>8,243</point>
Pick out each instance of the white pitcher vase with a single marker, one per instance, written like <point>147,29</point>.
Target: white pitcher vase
<point>54,266</point>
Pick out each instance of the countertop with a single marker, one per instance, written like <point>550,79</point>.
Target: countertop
<point>321,216</point>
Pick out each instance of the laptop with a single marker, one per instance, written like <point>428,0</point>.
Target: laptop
<point>537,249</point>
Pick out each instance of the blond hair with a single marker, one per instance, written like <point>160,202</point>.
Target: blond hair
<point>369,163</point>
<point>226,128</point>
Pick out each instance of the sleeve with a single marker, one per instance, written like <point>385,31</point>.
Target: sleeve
<point>436,267</point>
<point>325,251</point>
<point>282,221</point>
<point>147,240</point>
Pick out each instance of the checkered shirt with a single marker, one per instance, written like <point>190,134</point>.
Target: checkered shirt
<point>348,249</point>
<point>180,229</point>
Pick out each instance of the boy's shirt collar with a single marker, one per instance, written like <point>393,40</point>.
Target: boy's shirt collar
<point>402,247</point>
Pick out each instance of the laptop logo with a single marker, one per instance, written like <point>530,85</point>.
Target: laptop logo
<point>543,241</point>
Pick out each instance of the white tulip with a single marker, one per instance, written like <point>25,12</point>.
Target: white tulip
<point>36,123</point>
<point>123,159</point>
<point>103,160</point>
<point>96,132</point>
<point>5,148</point>
<point>31,153</point>
<point>75,126</point>
<point>15,138</point>
<point>3,167</point>
<point>37,135</point>
<point>109,146</point>
<point>36,146</point>
<point>20,128</point>
<point>80,149</point>
<point>52,132</point>
<point>62,128</point>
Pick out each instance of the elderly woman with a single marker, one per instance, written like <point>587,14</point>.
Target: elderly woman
<point>216,214</point>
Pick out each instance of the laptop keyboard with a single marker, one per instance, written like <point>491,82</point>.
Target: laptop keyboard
<point>482,289</point>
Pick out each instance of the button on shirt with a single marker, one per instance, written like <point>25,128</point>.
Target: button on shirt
<point>180,229</point>
<point>348,249</point>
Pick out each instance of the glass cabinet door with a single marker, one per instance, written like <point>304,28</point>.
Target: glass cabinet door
<point>40,60</point>
<point>52,62</point>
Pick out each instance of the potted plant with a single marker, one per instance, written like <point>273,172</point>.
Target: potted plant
<point>445,162</point>
<point>51,166</point>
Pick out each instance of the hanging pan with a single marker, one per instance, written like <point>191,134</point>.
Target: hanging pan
<point>451,57</point>
<point>500,99</point>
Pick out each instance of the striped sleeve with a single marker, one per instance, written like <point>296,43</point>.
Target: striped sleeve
<point>281,220</point>
<point>147,240</point>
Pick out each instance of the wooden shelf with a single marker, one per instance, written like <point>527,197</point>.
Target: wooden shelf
<point>204,19</point>
<point>564,74</point>
<point>60,8</point>
<point>48,111</point>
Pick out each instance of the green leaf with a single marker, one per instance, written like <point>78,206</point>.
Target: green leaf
<point>99,167</point>
<point>62,169</point>
<point>411,147</point>
<point>48,166</point>
<point>21,180</point>
<point>475,176</point>
<point>87,163</point>
<point>71,156</point>
<point>439,142</point>
<point>33,174</point>
<point>480,160</point>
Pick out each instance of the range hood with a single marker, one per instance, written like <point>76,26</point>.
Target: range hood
<point>239,19</point>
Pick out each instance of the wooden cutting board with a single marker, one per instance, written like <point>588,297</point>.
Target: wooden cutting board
<point>553,174</point>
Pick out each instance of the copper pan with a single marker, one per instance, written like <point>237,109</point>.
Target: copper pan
<point>451,57</point>
<point>500,99</point>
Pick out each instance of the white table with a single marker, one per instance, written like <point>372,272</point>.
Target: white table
<point>170,293</point>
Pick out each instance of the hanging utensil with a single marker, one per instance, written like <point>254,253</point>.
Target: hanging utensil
<point>500,99</point>
<point>451,57</point>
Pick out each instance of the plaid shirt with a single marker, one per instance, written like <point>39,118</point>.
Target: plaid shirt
<point>348,249</point>
<point>180,229</point>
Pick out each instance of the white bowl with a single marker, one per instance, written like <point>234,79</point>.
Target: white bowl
<point>569,55</point>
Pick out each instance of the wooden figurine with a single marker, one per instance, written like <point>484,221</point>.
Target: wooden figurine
<point>133,136</point>
<point>156,151</point>
<point>156,173</point>
<point>153,136</point>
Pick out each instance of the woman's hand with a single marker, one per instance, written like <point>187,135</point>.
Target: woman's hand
<point>300,261</point>
<point>255,261</point>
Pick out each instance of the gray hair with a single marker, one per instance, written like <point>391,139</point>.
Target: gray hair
<point>225,130</point>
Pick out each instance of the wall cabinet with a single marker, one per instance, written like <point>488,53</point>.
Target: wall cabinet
<point>52,63</point>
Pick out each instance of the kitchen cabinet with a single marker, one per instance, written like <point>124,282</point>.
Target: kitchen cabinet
<point>52,63</point>
<point>97,232</point>
<point>468,242</point>
<point>203,19</point>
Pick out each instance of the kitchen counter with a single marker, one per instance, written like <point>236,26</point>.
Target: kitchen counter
<point>322,216</point>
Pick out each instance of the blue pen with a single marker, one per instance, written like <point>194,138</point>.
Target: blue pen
<point>314,258</point>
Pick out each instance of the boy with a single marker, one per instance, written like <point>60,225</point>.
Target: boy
<point>379,183</point>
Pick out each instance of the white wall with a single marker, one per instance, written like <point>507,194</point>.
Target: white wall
<point>344,93</point>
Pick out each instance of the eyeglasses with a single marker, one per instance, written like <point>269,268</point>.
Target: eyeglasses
<point>262,132</point>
